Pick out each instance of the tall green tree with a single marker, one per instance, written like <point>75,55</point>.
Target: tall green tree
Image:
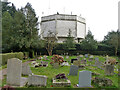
<point>112,39</point>
<point>89,44</point>
<point>6,31</point>
<point>69,44</point>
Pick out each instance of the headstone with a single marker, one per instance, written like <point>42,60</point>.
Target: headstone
<point>14,71</point>
<point>84,61</point>
<point>84,79</point>
<point>91,56</point>
<point>37,80</point>
<point>56,65</point>
<point>109,69</point>
<point>77,63</point>
<point>73,70</point>
<point>67,57</point>
<point>98,64</point>
<point>26,69</point>
<point>72,60</point>
<point>86,55</point>
<point>96,59</point>
<point>81,56</point>
<point>78,57</point>
<point>119,71</point>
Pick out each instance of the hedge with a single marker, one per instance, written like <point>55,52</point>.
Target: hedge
<point>74,52</point>
<point>7,56</point>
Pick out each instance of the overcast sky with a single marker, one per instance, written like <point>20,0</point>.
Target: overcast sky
<point>101,15</point>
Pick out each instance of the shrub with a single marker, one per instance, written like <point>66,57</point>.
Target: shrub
<point>7,56</point>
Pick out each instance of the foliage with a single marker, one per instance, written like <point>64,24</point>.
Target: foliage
<point>69,44</point>
<point>7,56</point>
<point>20,29</point>
<point>112,39</point>
<point>89,43</point>
<point>50,42</point>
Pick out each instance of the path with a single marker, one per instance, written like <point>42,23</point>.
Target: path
<point>4,71</point>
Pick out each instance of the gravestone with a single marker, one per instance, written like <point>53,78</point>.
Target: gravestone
<point>78,57</point>
<point>81,56</point>
<point>84,79</point>
<point>109,69</point>
<point>91,58</point>
<point>77,63</point>
<point>56,65</point>
<point>86,55</point>
<point>96,59</point>
<point>84,61</point>
<point>37,80</point>
<point>119,71</point>
<point>72,60</point>
<point>67,57</point>
<point>73,70</point>
<point>14,71</point>
<point>98,64</point>
<point>26,69</point>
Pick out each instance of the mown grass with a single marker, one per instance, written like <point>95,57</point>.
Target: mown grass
<point>50,72</point>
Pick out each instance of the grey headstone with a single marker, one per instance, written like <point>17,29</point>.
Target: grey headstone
<point>85,79</point>
<point>81,56</point>
<point>109,69</point>
<point>26,69</point>
<point>37,80</point>
<point>86,55</point>
<point>96,58</point>
<point>72,60</point>
<point>14,71</point>
<point>84,61</point>
<point>73,70</point>
<point>56,65</point>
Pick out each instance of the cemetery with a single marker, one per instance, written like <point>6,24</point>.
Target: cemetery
<point>54,74</point>
<point>55,50</point>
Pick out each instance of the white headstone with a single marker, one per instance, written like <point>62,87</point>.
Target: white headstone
<point>26,69</point>
<point>85,79</point>
<point>14,70</point>
<point>37,80</point>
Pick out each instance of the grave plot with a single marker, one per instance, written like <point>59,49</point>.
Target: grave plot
<point>71,72</point>
<point>61,80</point>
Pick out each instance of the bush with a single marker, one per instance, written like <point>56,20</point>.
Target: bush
<point>7,56</point>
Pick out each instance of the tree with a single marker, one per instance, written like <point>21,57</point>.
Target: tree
<point>6,31</point>
<point>69,44</point>
<point>112,39</point>
<point>50,42</point>
<point>89,43</point>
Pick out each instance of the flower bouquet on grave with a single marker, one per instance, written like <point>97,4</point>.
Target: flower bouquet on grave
<point>57,59</point>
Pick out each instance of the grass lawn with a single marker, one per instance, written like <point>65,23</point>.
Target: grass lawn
<point>50,72</point>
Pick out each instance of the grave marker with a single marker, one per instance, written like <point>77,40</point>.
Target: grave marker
<point>73,70</point>
<point>84,79</point>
